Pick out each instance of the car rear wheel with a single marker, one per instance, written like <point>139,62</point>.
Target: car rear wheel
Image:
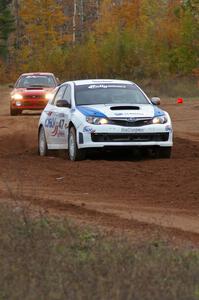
<point>42,144</point>
<point>73,152</point>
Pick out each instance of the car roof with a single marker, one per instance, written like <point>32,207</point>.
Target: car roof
<point>101,81</point>
<point>36,74</point>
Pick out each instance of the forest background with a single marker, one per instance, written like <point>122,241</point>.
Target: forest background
<point>75,39</point>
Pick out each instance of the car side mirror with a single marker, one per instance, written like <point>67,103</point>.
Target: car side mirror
<point>155,100</point>
<point>63,103</point>
<point>11,86</point>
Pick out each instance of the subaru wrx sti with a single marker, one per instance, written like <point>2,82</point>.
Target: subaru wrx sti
<point>32,92</point>
<point>103,114</point>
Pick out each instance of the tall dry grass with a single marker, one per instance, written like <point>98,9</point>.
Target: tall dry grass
<point>49,259</point>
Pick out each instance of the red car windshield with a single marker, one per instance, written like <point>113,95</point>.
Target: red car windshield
<point>36,81</point>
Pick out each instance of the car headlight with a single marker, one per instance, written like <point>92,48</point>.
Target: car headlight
<point>97,121</point>
<point>18,103</point>
<point>159,120</point>
<point>17,97</point>
<point>49,96</point>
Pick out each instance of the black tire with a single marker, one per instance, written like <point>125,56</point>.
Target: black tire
<point>15,112</point>
<point>164,152</point>
<point>73,152</point>
<point>42,144</point>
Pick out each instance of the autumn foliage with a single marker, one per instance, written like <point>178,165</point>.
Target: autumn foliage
<point>88,39</point>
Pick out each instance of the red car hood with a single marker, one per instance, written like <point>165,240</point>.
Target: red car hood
<point>32,90</point>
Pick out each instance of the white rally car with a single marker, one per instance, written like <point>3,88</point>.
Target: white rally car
<point>104,113</point>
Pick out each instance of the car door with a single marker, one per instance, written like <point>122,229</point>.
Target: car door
<point>63,117</point>
<point>54,123</point>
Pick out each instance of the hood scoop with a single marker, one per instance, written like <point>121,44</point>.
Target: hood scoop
<point>125,107</point>
<point>34,88</point>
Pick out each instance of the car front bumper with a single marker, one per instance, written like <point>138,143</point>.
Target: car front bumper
<point>29,104</point>
<point>118,136</point>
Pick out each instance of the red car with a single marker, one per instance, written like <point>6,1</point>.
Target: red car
<point>32,92</point>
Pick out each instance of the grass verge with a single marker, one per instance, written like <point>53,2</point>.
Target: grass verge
<point>172,87</point>
<point>49,259</point>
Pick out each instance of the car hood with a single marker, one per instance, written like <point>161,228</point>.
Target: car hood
<point>32,90</point>
<point>121,110</point>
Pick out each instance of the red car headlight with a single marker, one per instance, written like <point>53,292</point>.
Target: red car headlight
<point>17,97</point>
<point>49,96</point>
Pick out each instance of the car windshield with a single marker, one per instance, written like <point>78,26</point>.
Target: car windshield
<point>36,81</point>
<point>109,94</point>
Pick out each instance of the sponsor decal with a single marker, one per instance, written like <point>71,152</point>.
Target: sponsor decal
<point>91,112</point>
<point>132,119</point>
<point>60,134</point>
<point>128,114</point>
<point>118,114</point>
<point>61,115</point>
<point>49,113</point>
<point>168,128</point>
<point>132,130</point>
<point>88,129</point>
<point>55,131</point>
<point>61,124</point>
<point>158,112</point>
<point>50,122</point>
<point>57,128</point>
<point>106,86</point>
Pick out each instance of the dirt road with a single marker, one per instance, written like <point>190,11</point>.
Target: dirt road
<point>141,196</point>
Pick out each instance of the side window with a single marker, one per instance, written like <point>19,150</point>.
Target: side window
<point>67,94</point>
<point>59,95</point>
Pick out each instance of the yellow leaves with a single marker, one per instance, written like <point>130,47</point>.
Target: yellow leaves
<point>42,20</point>
<point>196,73</point>
<point>68,38</point>
<point>137,15</point>
<point>108,19</point>
<point>2,71</point>
<point>44,16</point>
<point>128,37</point>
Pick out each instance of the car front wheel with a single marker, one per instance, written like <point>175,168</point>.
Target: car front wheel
<point>15,112</point>
<point>165,152</point>
<point>42,144</point>
<point>73,152</point>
